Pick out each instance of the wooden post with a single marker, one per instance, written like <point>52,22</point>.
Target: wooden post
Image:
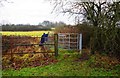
<point>56,44</point>
<point>11,46</point>
<point>69,41</point>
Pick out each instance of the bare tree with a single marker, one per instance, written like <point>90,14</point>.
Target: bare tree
<point>2,2</point>
<point>92,11</point>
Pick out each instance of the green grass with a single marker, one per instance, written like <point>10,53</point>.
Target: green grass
<point>24,33</point>
<point>67,66</point>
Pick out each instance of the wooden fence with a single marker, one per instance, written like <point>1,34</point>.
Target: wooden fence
<point>11,45</point>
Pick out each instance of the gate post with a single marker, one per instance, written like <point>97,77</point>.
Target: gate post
<point>56,44</point>
<point>80,43</point>
<point>11,46</point>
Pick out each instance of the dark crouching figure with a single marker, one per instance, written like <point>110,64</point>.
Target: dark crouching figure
<point>44,39</point>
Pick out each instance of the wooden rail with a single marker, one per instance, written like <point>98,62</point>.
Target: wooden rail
<point>23,45</point>
<point>25,53</point>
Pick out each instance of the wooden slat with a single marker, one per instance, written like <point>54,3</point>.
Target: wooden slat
<point>30,44</point>
<point>25,53</point>
<point>24,45</point>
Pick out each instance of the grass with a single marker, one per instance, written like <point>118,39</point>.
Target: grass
<point>24,33</point>
<point>67,66</point>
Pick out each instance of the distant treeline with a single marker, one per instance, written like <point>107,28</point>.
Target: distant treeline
<point>24,28</point>
<point>45,25</point>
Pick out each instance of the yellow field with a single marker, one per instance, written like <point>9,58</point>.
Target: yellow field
<point>25,33</point>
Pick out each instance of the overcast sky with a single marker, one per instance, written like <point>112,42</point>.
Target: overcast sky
<point>30,12</point>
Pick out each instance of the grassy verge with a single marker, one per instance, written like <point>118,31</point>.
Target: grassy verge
<point>67,66</point>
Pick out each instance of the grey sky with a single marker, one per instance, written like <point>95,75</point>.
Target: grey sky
<point>30,11</point>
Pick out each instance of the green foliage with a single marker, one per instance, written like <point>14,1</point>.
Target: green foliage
<point>107,40</point>
<point>106,35</point>
<point>87,32</point>
<point>91,60</point>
